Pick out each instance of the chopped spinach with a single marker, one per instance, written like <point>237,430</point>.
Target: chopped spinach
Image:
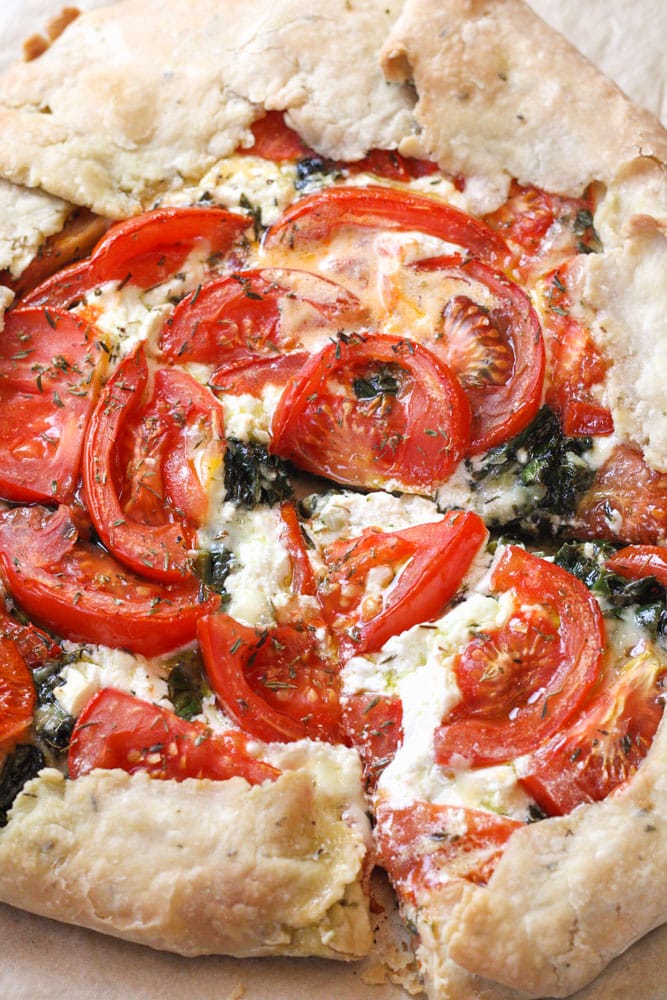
<point>19,766</point>
<point>383,382</point>
<point>213,568</point>
<point>252,476</point>
<point>312,170</point>
<point>185,683</point>
<point>53,725</point>
<point>547,462</point>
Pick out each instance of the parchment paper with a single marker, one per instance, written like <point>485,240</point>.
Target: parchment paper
<point>42,960</point>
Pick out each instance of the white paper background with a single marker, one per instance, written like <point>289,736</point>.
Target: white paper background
<point>40,959</point>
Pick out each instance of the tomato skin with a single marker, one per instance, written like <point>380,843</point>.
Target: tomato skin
<point>117,730</point>
<point>436,555</point>
<point>501,406</point>
<point>81,593</point>
<point>639,561</point>
<point>424,845</point>
<point>626,502</point>
<point>240,318</point>
<point>17,695</point>
<point>275,140</point>
<point>576,364</point>
<point>275,684</point>
<point>34,645</point>
<point>147,518</point>
<point>144,250</point>
<point>415,434</point>
<point>50,370</point>
<point>318,216</point>
<point>524,682</point>
<point>604,745</point>
<point>373,724</point>
<point>391,165</point>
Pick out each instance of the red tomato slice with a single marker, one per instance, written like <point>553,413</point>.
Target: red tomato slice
<point>145,250</point>
<point>424,565</point>
<point>391,165</point>
<point>80,592</point>
<point>374,411</point>
<point>117,730</point>
<point>374,726</point>
<point>318,216</point>
<point>576,365</point>
<point>50,369</point>
<point>605,745</point>
<point>543,228</point>
<point>303,578</point>
<point>17,695</point>
<point>256,315</point>
<point>497,354</point>
<point>639,561</point>
<point>275,140</point>
<point>627,501</point>
<point>275,685</point>
<point>524,682</point>
<point>34,645</point>
<point>141,487</point>
<point>423,845</point>
<point>253,374</point>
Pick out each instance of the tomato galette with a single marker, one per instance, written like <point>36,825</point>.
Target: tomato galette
<point>333,479</point>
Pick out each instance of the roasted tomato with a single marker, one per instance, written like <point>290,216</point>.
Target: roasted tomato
<point>50,370</point>
<point>544,229</point>
<point>423,845</point>
<point>576,366</point>
<point>377,412</point>
<point>639,561</point>
<point>17,695</point>
<point>144,251</point>
<point>34,645</point>
<point>275,684</point>
<point>605,744</point>
<point>258,324</point>
<point>115,729</point>
<point>319,215</point>
<point>373,725</point>
<point>626,502</point>
<point>524,682</point>
<point>141,484</point>
<point>422,569</point>
<point>496,352</point>
<point>80,592</point>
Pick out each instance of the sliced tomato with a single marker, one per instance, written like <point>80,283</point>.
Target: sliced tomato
<point>626,502</point>
<point>423,846</point>
<point>117,730</point>
<point>543,228</point>
<point>422,568</point>
<point>522,683</point>
<point>34,645</point>
<point>372,411</point>
<point>256,316</point>
<point>51,364</point>
<point>576,365</point>
<point>80,592</point>
<point>275,140</point>
<point>303,577</point>
<point>145,251</point>
<point>275,684</point>
<point>639,561</point>
<point>497,353</point>
<point>17,695</point>
<point>373,725</point>
<point>317,216</point>
<point>140,481</point>
<point>605,745</point>
<point>254,374</point>
<point>388,163</point>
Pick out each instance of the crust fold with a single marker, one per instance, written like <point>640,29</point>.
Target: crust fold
<point>196,867</point>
